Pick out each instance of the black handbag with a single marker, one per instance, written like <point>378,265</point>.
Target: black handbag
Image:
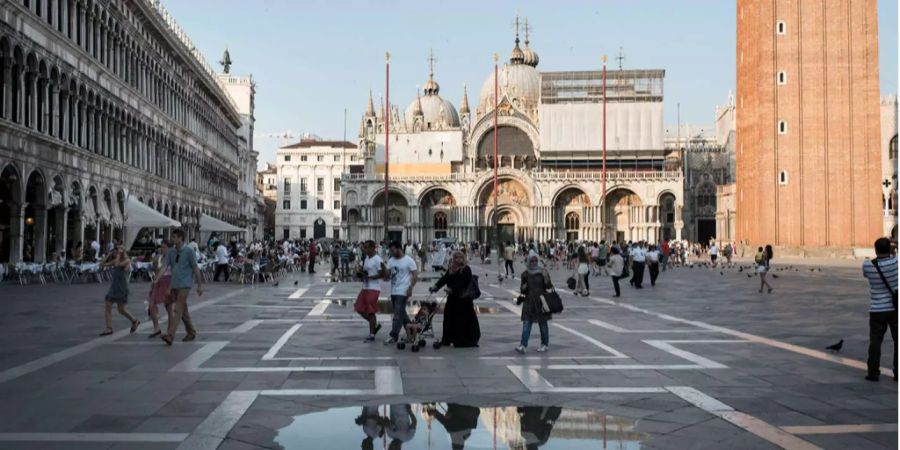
<point>571,283</point>
<point>551,302</point>
<point>472,291</point>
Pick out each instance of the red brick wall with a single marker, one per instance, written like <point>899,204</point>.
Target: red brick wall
<point>831,106</point>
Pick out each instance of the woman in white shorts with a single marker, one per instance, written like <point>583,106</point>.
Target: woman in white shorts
<point>762,268</point>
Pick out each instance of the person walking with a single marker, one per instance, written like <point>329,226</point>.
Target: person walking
<point>616,269</point>
<point>652,262</point>
<point>664,251</point>
<point>535,282</point>
<point>221,261</point>
<point>161,291</point>
<point>713,253</point>
<point>461,328</point>
<point>182,262</point>
<point>509,254</point>
<point>404,274</point>
<point>582,272</point>
<point>762,268</point>
<point>881,273</point>
<point>118,290</point>
<point>313,253</point>
<point>373,271</point>
<point>602,256</point>
<point>638,258</point>
<point>728,251</point>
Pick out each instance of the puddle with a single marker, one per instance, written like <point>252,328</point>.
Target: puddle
<point>453,426</point>
<point>385,307</point>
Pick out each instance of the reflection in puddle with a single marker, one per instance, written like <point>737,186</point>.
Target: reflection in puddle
<point>385,307</point>
<point>454,426</point>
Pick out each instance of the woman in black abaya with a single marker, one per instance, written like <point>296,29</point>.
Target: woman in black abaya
<point>461,327</point>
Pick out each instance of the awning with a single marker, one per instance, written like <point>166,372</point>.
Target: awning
<point>116,217</point>
<point>208,223</point>
<point>139,215</point>
<point>87,212</point>
<point>103,215</point>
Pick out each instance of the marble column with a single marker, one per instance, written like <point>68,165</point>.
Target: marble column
<point>17,232</point>
<point>40,233</point>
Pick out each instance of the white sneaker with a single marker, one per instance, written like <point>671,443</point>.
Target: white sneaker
<point>520,349</point>
<point>543,348</point>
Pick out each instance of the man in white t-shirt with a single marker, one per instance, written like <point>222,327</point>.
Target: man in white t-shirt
<point>713,253</point>
<point>638,258</point>
<point>651,258</point>
<point>221,261</point>
<point>366,304</point>
<point>404,274</point>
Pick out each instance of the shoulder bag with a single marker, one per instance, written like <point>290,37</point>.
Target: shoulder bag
<point>886,284</point>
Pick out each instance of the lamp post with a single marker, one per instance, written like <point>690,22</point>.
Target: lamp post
<point>387,132</point>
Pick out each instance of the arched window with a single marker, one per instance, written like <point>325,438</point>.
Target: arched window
<point>440,221</point>
<point>395,217</point>
<point>706,196</point>
<point>892,148</point>
<point>572,221</point>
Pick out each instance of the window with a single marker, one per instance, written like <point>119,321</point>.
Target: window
<point>303,186</point>
<point>337,185</point>
<point>337,205</point>
<point>320,158</point>
<point>320,184</point>
<point>285,233</point>
<point>303,233</point>
<point>780,28</point>
<point>352,158</point>
<point>892,148</point>
<point>286,204</point>
<point>302,204</point>
<point>782,127</point>
<point>287,186</point>
<point>783,177</point>
<point>782,78</point>
<point>320,204</point>
<point>287,158</point>
<point>303,158</point>
<point>337,158</point>
<point>337,234</point>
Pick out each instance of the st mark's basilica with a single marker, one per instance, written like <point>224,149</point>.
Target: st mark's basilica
<point>549,127</point>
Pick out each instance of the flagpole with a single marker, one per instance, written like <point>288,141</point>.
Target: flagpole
<point>387,132</point>
<point>496,218</point>
<point>603,169</point>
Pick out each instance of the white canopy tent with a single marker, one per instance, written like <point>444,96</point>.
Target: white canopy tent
<point>209,225</point>
<point>139,215</point>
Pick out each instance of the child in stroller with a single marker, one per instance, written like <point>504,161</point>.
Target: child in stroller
<point>420,326</point>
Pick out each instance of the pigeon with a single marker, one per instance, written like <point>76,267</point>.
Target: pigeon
<point>721,273</point>
<point>774,276</point>
<point>276,284</point>
<point>295,283</point>
<point>749,276</point>
<point>741,269</point>
<point>836,347</point>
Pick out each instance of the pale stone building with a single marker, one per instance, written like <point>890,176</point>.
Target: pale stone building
<point>549,155</point>
<point>889,164</point>
<point>308,183</point>
<point>102,100</point>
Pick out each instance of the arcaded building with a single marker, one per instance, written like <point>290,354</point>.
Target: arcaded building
<point>549,134</point>
<point>105,100</point>
<point>808,124</point>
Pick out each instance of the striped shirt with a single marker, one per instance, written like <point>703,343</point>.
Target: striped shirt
<point>880,299</point>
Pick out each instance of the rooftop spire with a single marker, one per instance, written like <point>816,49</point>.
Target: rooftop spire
<point>431,87</point>
<point>370,108</point>
<point>464,106</point>
<point>516,56</point>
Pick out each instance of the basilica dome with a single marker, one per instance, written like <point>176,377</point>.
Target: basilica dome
<point>436,112</point>
<point>518,81</point>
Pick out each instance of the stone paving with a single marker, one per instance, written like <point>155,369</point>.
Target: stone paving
<point>699,361</point>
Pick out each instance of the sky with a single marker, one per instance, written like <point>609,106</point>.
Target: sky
<point>312,59</point>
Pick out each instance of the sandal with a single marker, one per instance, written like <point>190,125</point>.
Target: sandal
<point>167,339</point>
<point>134,326</point>
<point>107,332</point>
<point>154,334</point>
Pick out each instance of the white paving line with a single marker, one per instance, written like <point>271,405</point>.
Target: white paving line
<point>619,329</point>
<point>93,437</point>
<point>319,308</point>
<point>330,291</point>
<point>843,429</point>
<point>593,341</point>
<point>751,337</point>
<point>213,430</point>
<point>298,293</point>
<point>755,426</point>
<point>40,363</point>
<point>298,308</point>
<point>249,325</point>
<point>270,355</point>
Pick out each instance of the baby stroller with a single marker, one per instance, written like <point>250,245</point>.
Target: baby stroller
<point>424,321</point>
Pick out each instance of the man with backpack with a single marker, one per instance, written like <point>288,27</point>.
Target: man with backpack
<point>882,275</point>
